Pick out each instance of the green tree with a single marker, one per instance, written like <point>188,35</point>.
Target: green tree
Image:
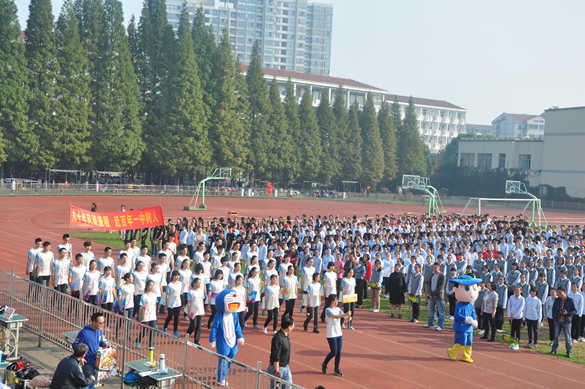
<point>262,139</point>
<point>204,45</point>
<point>72,84</point>
<point>372,151</point>
<point>340,112</point>
<point>117,135</point>
<point>352,146</point>
<point>43,67</point>
<point>291,109</point>
<point>309,141</point>
<point>280,157</point>
<point>90,16</point>
<point>330,163</point>
<point>182,147</point>
<point>411,157</point>
<point>136,54</point>
<point>227,131</point>
<point>388,135</point>
<point>17,140</point>
<point>158,46</point>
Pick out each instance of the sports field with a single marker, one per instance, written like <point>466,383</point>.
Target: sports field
<point>381,353</point>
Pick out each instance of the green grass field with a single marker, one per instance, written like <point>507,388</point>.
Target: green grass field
<point>578,348</point>
<point>102,238</point>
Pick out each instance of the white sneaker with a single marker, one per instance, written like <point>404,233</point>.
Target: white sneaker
<point>439,328</point>
<point>375,310</point>
<point>274,332</point>
<point>372,310</point>
<point>386,296</point>
<point>343,326</point>
<point>351,328</point>
<point>264,330</point>
<point>428,325</point>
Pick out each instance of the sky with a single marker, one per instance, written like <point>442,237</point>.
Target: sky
<point>489,57</point>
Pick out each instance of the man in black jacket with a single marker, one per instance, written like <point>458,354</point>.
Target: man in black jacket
<point>69,374</point>
<point>562,312</point>
<point>436,288</point>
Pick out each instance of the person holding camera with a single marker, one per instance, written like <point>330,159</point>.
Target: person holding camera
<point>562,312</point>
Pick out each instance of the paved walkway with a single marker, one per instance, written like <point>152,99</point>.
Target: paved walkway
<point>47,357</point>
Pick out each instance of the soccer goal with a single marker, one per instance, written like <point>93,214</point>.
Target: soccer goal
<point>527,208</point>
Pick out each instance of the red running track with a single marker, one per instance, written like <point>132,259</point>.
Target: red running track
<point>380,353</point>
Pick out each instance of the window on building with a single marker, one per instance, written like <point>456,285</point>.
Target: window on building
<point>458,115</point>
<point>467,159</point>
<point>442,114</point>
<point>502,161</point>
<point>484,160</point>
<point>524,161</point>
<point>424,112</point>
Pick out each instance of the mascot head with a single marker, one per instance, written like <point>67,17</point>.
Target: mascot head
<point>465,288</point>
<point>227,301</point>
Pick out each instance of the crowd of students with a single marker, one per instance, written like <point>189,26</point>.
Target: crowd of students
<point>273,262</point>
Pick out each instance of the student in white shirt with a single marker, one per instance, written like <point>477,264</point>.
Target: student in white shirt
<point>76,274</point>
<point>313,293</point>
<point>576,321</point>
<point>289,287</point>
<point>532,314</point>
<point>43,263</point>
<point>68,248</point>
<point>106,260</point>
<point>272,293</point>
<point>30,264</point>
<point>348,288</point>
<point>241,293</point>
<point>60,270</point>
<point>88,256</point>
<point>253,293</point>
<point>126,295</point>
<point>185,278</point>
<point>107,285</point>
<point>148,309</point>
<point>195,310</point>
<point>334,334</point>
<point>144,258</point>
<point>215,287</point>
<point>549,316</point>
<point>91,281</point>
<point>306,277</point>
<point>173,302</point>
<point>515,314</point>
<point>155,277</point>
<point>139,284</point>
<point>123,268</point>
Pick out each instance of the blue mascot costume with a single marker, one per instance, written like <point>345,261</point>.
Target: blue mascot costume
<point>225,331</point>
<point>466,291</point>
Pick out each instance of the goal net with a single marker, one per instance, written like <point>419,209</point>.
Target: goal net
<point>528,209</point>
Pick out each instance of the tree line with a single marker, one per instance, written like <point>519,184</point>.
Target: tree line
<point>84,92</point>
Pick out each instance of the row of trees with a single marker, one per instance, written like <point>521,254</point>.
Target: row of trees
<point>85,93</point>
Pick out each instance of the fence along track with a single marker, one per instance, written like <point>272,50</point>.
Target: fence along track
<point>51,313</point>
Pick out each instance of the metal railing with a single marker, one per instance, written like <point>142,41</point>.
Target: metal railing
<point>51,313</point>
<point>35,189</point>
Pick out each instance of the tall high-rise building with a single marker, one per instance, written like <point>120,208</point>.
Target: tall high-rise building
<point>294,35</point>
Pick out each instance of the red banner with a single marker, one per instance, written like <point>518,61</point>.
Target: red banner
<point>129,220</point>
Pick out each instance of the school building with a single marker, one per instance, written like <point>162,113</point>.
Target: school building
<point>553,160</point>
<point>438,121</point>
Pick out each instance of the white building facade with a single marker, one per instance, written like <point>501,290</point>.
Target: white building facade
<point>294,35</point>
<point>512,125</point>
<point>554,160</point>
<point>438,121</point>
